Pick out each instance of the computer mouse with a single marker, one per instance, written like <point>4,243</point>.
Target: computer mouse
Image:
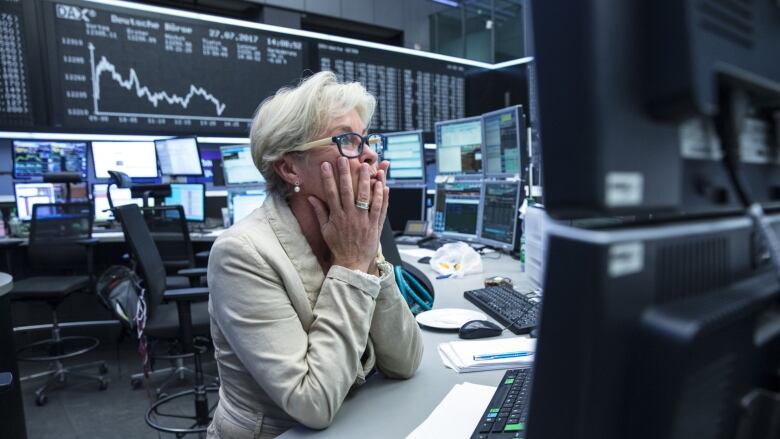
<point>479,329</point>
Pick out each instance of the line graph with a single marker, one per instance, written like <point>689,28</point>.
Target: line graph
<point>133,84</point>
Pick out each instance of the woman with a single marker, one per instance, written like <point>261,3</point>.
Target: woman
<point>302,310</point>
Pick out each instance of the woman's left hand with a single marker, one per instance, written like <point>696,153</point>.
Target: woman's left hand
<point>381,176</point>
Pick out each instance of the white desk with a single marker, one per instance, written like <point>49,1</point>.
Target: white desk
<point>384,408</point>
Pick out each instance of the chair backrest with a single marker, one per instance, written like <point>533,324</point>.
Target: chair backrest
<point>168,226</point>
<point>55,232</point>
<point>144,253</point>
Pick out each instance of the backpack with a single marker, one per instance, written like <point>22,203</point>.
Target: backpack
<point>120,290</point>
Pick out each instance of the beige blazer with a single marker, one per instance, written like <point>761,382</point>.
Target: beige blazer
<point>290,341</point>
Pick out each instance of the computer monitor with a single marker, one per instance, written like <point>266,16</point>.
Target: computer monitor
<point>238,166</point>
<point>406,203</point>
<point>404,151</point>
<point>499,213</point>
<point>29,194</point>
<point>191,196</point>
<point>504,132</point>
<point>136,159</point>
<point>119,196</point>
<point>243,202</point>
<point>459,146</point>
<point>179,156</point>
<point>457,210</point>
<point>655,332</point>
<point>35,158</point>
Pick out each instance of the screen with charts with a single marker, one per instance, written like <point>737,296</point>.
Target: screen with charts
<point>457,210</point>
<point>123,68</point>
<point>404,151</point>
<point>35,158</point>
<point>16,100</point>
<point>499,213</point>
<point>119,196</point>
<point>504,132</point>
<point>136,159</point>
<point>179,156</point>
<point>30,194</point>
<point>459,146</point>
<point>191,196</point>
<point>238,166</point>
<point>242,203</point>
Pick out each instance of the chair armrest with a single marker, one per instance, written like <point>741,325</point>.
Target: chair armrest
<point>193,272</point>
<point>198,294</point>
<point>203,255</point>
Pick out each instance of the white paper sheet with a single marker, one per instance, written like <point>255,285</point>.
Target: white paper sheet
<point>457,414</point>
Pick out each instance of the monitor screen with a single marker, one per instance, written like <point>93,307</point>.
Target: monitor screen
<point>404,151</point>
<point>119,196</point>
<point>405,204</point>
<point>457,210</point>
<point>499,213</point>
<point>136,159</point>
<point>35,158</point>
<point>238,166</point>
<point>459,146</point>
<point>503,142</point>
<point>179,156</point>
<point>242,203</point>
<point>30,194</point>
<point>191,196</point>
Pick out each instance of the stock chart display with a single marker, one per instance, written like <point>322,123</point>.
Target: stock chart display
<point>130,70</point>
<point>15,100</point>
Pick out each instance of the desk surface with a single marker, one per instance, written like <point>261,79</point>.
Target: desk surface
<point>384,408</point>
<point>118,236</point>
<point>6,283</point>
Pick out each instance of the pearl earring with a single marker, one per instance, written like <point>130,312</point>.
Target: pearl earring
<point>297,187</point>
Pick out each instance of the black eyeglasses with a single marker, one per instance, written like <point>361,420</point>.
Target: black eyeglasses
<point>350,144</point>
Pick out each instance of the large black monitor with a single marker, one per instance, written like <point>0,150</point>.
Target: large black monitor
<point>456,213</point>
<point>136,159</point>
<point>499,213</point>
<point>33,158</point>
<point>179,156</point>
<point>459,146</point>
<point>192,197</point>
<point>404,151</point>
<point>656,332</point>
<point>406,204</point>
<point>628,99</point>
<point>238,166</point>
<point>504,131</point>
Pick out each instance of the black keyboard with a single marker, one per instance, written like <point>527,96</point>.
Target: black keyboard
<point>434,243</point>
<point>507,414</point>
<point>509,307</point>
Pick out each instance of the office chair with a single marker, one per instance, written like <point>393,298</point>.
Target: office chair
<point>393,256</point>
<point>179,315</point>
<point>60,242</point>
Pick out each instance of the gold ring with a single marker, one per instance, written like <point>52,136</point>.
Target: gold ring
<point>361,205</point>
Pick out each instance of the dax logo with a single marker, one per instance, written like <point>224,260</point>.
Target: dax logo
<point>69,12</point>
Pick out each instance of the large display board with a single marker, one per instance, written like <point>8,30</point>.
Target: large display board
<point>15,98</point>
<point>125,69</point>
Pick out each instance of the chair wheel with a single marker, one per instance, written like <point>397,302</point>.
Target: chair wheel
<point>136,383</point>
<point>103,384</point>
<point>41,400</point>
<point>103,369</point>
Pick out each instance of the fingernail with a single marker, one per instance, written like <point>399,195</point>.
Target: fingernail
<point>325,166</point>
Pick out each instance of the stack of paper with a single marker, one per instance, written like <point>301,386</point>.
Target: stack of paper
<point>457,415</point>
<point>476,355</point>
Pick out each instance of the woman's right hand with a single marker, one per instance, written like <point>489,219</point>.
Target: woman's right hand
<point>352,233</point>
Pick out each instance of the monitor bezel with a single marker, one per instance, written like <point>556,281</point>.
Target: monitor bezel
<point>87,149</point>
<point>159,162</point>
<point>203,192</point>
<point>225,174</point>
<point>407,181</point>
<point>454,235</point>
<point>483,205</point>
<point>94,167</point>
<point>437,125</point>
<point>520,124</point>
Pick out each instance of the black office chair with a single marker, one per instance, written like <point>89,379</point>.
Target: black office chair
<point>179,315</point>
<point>60,242</point>
<point>393,256</point>
<point>168,225</point>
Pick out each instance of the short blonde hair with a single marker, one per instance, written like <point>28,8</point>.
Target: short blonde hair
<point>295,115</point>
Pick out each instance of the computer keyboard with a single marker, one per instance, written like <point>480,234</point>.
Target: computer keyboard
<point>506,415</point>
<point>508,306</point>
<point>434,243</point>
